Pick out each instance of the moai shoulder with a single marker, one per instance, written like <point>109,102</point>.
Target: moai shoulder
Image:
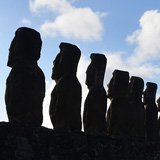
<point>94,116</point>
<point>65,105</point>
<point>25,86</point>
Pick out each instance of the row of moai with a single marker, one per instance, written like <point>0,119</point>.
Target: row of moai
<point>25,92</point>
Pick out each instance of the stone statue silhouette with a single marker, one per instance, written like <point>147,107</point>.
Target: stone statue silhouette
<point>151,111</point>
<point>119,113</point>
<point>94,116</point>
<point>136,86</point>
<point>65,105</point>
<point>25,86</point>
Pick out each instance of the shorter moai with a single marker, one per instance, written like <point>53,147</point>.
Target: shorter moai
<point>119,112</point>
<point>25,86</point>
<point>95,107</point>
<point>151,122</point>
<point>65,105</point>
<point>136,87</point>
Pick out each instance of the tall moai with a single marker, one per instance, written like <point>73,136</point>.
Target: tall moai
<point>95,107</point>
<point>136,87</point>
<point>151,122</point>
<point>119,113</point>
<point>25,86</point>
<point>65,105</point>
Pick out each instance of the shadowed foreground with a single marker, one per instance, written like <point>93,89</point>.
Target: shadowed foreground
<point>19,142</point>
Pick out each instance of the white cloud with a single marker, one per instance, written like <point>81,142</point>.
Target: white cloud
<point>26,22</point>
<point>145,70</point>
<point>71,22</point>
<point>147,38</point>
<point>137,64</point>
<point>133,38</point>
<point>75,24</point>
<point>60,6</point>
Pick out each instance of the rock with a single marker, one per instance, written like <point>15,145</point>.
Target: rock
<point>20,142</point>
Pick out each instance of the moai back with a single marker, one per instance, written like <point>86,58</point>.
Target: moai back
<point>136,86</point>
<point>119,113</point>
<point>65,105</point>
<point>25,86</point>
<point>94,116</point>
<point>151,122</point>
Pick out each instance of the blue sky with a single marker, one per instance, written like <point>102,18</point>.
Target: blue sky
<point>127,32</point>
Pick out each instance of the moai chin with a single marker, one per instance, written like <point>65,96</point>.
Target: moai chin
<point>25,86</point>
<point>136,87</point>
<point>118,115</point>
<point>151,122</point>
<point>94,116</point>
<point>65,105</point>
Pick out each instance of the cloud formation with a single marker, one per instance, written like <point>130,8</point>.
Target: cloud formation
<point>71,22</point>
<point>26,22</point>
<point>139,63</point>
<point>145,70</point>
<point>147,38</point>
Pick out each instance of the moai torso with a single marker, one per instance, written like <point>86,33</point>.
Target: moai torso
<point>151,116</point>
<point>135,96</point>
<point>119,113</point>
<point>25,86</point>
<point>65,105</point>
<point>94,116</point>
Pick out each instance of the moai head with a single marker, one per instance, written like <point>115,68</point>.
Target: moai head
<point>118,85</point>
<point>150,93</point>
<point>96,70</point>
<point>136,87</point>
<point>66,61</point>
<point>26,45</point>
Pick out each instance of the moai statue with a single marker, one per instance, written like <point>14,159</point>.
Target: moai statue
<point>65,105</point>
<point>94,116</point>
<point>25,86</point>
<point>151,111</point>
<point>136,86</point>
<point>119,113</point>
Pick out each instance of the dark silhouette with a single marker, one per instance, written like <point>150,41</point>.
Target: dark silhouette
<point>119,113</point>
<point>158,102</point>
<point>94,116</point>
<point>25,87</point>
<point>151,111</point>
<point>136,86</point>
<point>65,105</point>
